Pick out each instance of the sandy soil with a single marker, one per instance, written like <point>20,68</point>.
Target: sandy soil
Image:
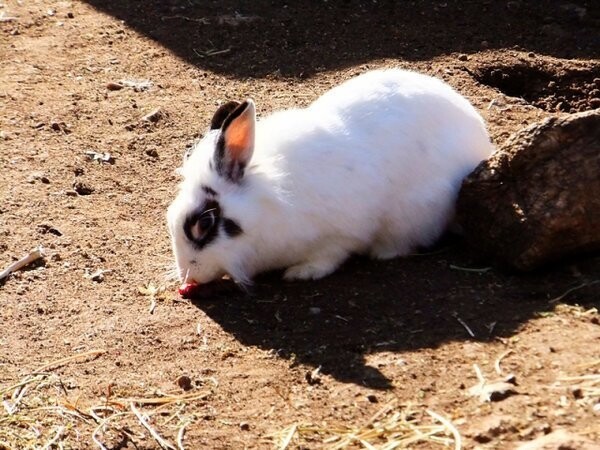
<point>408,330</point>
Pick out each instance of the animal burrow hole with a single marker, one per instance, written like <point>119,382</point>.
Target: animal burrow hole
<point>546,86</point>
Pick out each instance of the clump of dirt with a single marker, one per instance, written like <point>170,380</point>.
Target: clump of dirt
<point>548,87</point>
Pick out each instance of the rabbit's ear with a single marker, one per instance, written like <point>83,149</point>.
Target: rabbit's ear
<point>236,143</point>
<point>222,113</point>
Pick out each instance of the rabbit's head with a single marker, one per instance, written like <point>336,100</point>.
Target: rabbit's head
<point>210,219</point>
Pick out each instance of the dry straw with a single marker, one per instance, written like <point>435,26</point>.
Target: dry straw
<point>391,428</point>
<point>37,413</point>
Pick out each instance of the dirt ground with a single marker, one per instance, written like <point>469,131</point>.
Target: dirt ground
<point>331,353</point>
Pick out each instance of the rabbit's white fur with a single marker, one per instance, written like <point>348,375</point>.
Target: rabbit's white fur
<point>373,166</point>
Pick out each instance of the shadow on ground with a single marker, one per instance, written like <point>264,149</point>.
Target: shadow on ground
<point>261,38</point>
<point>400,305</point>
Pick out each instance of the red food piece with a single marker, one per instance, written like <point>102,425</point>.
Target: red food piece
<point>189,290</point>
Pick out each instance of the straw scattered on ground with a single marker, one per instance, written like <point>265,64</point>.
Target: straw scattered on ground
<point>43,410</point>
<point>392,427</point>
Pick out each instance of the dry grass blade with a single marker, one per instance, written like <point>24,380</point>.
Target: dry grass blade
<point>288,437</point>
<point>180,435</point>
<point>450,426</point>
<point>55,439</point>
<point>390,428</point>
<point>157,437</point>
<point>167,399</point>
<point>500,358</point>
<point>63,361</point>
<point>587,385</point>
<point>576,288</point>
<point>34,255</point>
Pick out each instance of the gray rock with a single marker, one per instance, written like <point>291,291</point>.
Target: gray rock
<point>537,199</point>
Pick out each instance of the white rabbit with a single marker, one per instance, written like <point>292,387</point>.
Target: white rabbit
<point>373,166</point>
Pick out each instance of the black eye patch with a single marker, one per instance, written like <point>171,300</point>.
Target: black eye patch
<point>231,227</point>
<point>202,226</point>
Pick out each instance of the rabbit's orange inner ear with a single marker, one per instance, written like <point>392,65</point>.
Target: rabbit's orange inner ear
<point>239,135</point>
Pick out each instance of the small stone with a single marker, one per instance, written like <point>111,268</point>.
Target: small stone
<point>577,393</point>
<point>38,176</point>
<point>313,377</point>
<point>82,188</point>
<point>184,382</point>
<point>70,15</point>
<point>463,57</point>
<point>152,152</point>
<point>97,276</point>
<point>153,116</point>
<point>112,86</point>
<point>531,54</point>
<point>60,126</point>
<point>372,398</point>
<point>45,228</point>
<point>244,426</point>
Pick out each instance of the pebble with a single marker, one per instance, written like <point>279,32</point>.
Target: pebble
<point>112,86</point>
<point>82,188</point>
<point>153,116</point>
<point>463,57</point>
<point>244,426</point>
<point>184,382</point>
<point>38,176</point>
<point>152,152</point>
<point>372,398</point>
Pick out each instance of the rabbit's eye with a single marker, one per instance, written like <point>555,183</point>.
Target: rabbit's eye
<point>200,228</point>
<point>206,220</point>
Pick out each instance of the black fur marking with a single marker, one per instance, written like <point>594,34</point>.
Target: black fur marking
<point>209,191</point>
<point>209,207</point>
<point>231,227</point>
<point>221,114</point>
<point>234,115</point>
<point>232,170</point>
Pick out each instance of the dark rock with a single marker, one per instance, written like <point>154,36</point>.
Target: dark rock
<point>184,382</point>
<point>537,199</point>
<point>82,189</point>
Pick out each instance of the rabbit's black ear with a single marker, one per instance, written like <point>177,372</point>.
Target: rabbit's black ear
<point>222,113</point>
<point>236,144</point>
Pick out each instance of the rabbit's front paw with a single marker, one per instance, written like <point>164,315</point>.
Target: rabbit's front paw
<point>312,270</point>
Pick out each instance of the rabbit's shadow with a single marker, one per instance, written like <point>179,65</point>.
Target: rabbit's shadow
<point>399,305</point>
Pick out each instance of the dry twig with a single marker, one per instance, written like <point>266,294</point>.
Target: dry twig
<point>34,255</point>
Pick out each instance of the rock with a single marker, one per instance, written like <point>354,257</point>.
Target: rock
<point>112,86</point>
<point>152,152</point>
<point>81,188</point>
<point>38,176</point>
<point>154,116</point>
<point>537,199</point>
<point>184,382</point>
<point>559,440</point>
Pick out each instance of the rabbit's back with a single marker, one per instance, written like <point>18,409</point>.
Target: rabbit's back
<point>377,160</point>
